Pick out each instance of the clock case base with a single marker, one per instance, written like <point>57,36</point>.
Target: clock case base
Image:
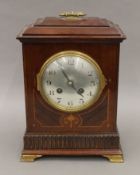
<point>113,155</point>
<point>106,145</point>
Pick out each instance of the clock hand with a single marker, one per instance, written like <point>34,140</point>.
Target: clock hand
<point>64,73</point>
<point>70,83</point>
<point>76,90</point>
<point>62,69</point>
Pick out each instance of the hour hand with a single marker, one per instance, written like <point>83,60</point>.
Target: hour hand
<point>77,90</point>
<point>64,73</point>
<point>71,84</point>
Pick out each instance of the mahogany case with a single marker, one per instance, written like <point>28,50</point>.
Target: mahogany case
<point>95,133</point>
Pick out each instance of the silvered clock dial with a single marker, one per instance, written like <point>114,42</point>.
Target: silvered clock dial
<point>70,81</point>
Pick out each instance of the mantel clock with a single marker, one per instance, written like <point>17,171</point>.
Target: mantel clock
<point>71,67</point>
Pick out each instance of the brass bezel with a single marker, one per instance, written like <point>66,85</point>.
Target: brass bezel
<point>72,53</point>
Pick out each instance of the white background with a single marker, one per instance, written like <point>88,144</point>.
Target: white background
<point>14,15</point>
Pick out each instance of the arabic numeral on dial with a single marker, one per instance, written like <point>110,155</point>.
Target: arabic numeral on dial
<point>90,94</point>
<point>51,92</point>
<point>81,101</point>
<point>90,73</point>
<point>70,103</point>
<point>48,82</point>
<point>59,100</point>
<point>92,83</point>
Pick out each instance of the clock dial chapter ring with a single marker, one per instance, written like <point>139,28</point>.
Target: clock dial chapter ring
<point>70,81</point>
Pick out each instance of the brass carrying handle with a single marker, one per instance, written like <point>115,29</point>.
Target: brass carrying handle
<point>72,14</point>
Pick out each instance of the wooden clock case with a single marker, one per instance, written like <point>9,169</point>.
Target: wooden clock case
<point>89,132</point>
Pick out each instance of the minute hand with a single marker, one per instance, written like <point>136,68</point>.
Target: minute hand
<point>64,73</point>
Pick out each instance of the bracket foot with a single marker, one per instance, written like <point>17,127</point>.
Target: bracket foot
<point>114,158</point>
<point>29,158</point>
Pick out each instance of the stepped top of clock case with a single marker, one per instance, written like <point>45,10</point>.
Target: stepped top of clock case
<point>59,28</point>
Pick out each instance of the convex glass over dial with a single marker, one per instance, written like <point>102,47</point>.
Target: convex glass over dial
<point>70,81</point>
